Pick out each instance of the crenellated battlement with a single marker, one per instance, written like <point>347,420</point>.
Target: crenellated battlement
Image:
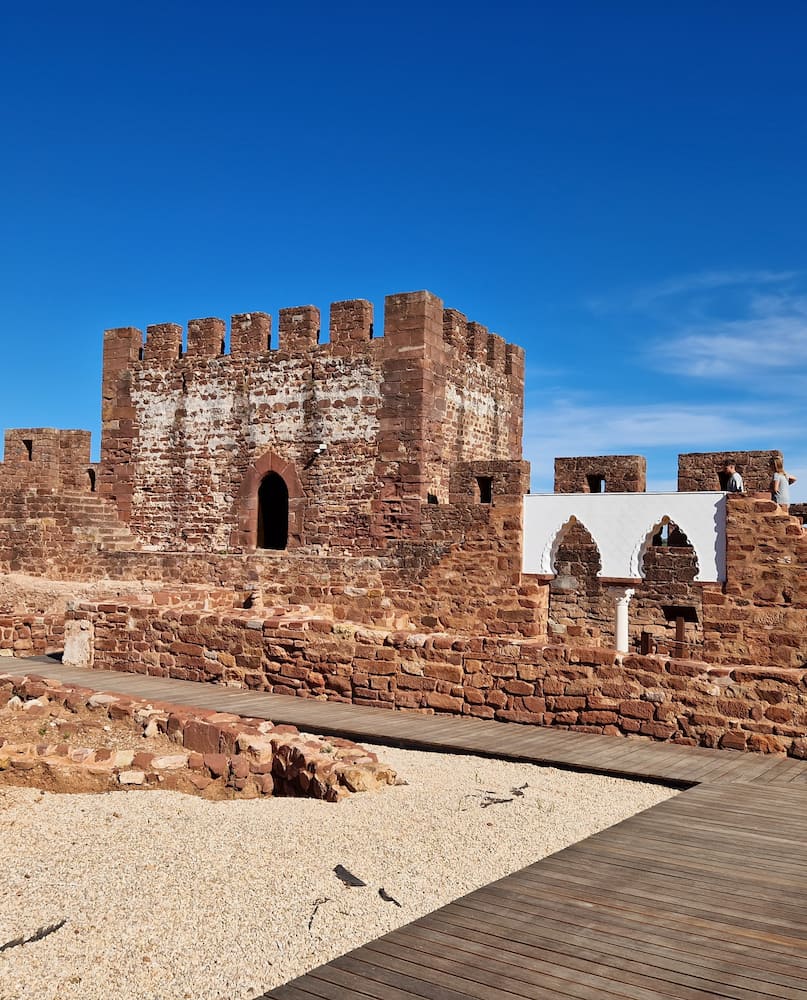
<point>188,416</point>
<point>351,332</point>
<point>47,458</point>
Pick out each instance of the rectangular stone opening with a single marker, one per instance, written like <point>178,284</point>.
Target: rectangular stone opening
<point>484,489</point>
<point>596,483</point>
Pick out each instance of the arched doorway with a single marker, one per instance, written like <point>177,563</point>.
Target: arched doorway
<point>269,514</point>
<point>273,513</point>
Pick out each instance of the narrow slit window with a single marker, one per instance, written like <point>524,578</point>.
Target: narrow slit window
<point>29,447</point>
<point>484,485</point>
<point>596,483</point>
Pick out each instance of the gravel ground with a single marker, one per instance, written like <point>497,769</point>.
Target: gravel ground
<point>168,896</point>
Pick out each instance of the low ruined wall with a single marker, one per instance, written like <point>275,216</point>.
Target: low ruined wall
<point>225,755</point>
<point>587,690</point>
<point>31,635</point>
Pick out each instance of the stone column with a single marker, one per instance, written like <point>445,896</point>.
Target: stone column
<point>622,596</point>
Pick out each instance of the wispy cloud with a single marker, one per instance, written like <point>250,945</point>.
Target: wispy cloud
<point>707,281</point>
<point>585,429</point>
<point>769,338</point>
<point>684,291</point>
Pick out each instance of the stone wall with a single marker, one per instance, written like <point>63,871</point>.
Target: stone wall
<point>580,607</point>
<point>360,429</point>
<point>601,474</point>
<point>761,617</point>
<point>463,572</point>
<point>702,470</point>
<point>226,756</point>
<point>46,458</point>
<point>527,681</point>
<point>30,634</point>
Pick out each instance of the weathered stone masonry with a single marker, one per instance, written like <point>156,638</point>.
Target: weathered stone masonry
<point>345,520</point>
<point>527,681</point>
<point>362,429</point>
<point>380,444</point>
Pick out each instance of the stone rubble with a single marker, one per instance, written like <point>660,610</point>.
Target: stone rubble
<point>224,755</point>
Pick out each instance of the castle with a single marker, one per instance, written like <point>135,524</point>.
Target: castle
<point>350,519</point>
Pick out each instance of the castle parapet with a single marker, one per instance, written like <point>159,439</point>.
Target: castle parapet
<point>601,474</point>
<point>415,325</point>
<point>47,458</point>
<point>298,329</point>
<point>455,331</point>
<point>412,321</point>
<point>250,333</point>
<point>514,362</point>
<point>163,344</point>
<point>206,337</point>
<point>351,325</point>
<point>496,352</point>
<point>477,342</point>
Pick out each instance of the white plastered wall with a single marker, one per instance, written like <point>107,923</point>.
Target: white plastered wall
<point>622,525</point>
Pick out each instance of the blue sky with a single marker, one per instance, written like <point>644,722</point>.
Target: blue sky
<point>617,187</point>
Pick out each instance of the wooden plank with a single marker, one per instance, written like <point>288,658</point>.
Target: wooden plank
<point>623,962</point>
<point>570,930</point>
<point>442,985</point>
<point>635,933</point>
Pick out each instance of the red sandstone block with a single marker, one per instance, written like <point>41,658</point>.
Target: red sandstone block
<point>484,712</point>
<point>376,667</point>
<point>733,708</point>
<point>202,737</point>
<point>217,764</point>
<point>734,740</point>
<point>686,668</point>
<point>706,719</point>
<point>658,730</point>
<point>497,698</point>
<point>779,713</point>
<point>621,692</point>
<point>760,743</point>
<point>596,702</point>
<point>598,718</point>
<point>502,669</point>
<point>636,709</point>
<point>444,671</point>
<point>473,695</point>
<point>529,671</point>
<point>565,703</point>
<point>593,655</point>
<point>518,687</point>
<point>784,675</point>
<point>516,715</point>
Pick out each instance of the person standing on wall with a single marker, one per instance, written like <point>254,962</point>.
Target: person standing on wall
<point>734,481</point>
<point>780,483</point>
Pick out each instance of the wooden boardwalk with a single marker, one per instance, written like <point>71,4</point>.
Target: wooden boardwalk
<point>702,896</point>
